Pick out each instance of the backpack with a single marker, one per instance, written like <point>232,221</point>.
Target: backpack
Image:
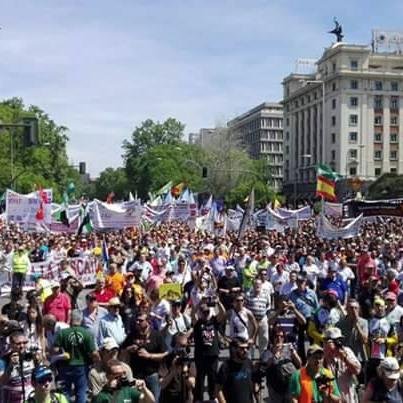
<point>278,375</point>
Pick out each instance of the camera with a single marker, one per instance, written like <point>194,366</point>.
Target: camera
<point>338,343</point>
<point>30,354</point>
<point>123,382</point>
<point>211,302</point>
<point>183,355</point>
<point>323,379</point>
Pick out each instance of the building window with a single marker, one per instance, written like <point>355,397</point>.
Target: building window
<point>333,103</point>
<point>308,98</point>
<point>354,64</point>
<point>353,154</point>
<point>287,121</point>
<point>378,137</point>
<point>352,137</point>
<point>393,137</point>
<point>378,154</point>
<point>334,67</point>
<point>393,170</point>
<point>353,101</point>
<point>333,138</point>
<point>393,155</point>
<point>378,85</point>
<point>333,120</point>
<point>333,155</point>
<point>287,149</point>
<point>353,171</point>
<point>378,171</point>
<point>394,103</point>
<point>354,84</point>
<point>394,121</point>
<point>287,136</point>
<point>333,86</point>
<point>378,120</point>
<point>378,102</point>
<point>353,120</point>
<point>394,86</point>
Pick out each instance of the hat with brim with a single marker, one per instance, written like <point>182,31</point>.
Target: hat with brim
<point>389,367</point>
<point>314,349</point>
<point>114,302</point>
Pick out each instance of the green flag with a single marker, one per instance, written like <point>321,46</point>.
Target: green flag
<point>165,189</point>
<point>327,172</point>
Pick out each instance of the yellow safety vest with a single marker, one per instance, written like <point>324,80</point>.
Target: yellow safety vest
<point>20,263</point>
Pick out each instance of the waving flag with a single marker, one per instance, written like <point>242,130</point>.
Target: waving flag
<point>326,183</point>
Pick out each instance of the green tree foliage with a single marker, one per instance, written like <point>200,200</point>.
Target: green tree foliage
<point>388,186</point>
<point>43,165</point>
<point>112,180</point>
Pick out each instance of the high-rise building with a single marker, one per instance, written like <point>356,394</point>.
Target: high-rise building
<point>358,135</point>
<point>261,131</point>
<point>202,138</point>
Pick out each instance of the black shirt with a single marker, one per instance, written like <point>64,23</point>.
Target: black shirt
<point>206,338</point>
<point>14,312</point>
<point>155,344</point>
<point>236,381</point>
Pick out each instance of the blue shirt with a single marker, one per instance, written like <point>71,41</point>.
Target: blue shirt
<point>306,302</point>
<point>111,326</point>
<point>337,285</point>
<point>92,321</point>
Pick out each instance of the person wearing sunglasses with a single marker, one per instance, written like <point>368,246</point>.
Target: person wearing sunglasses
<point>42,381</point>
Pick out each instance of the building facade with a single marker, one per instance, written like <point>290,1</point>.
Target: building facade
<point>345,115</point>
<point>202,137</point>
<point>261,131</point>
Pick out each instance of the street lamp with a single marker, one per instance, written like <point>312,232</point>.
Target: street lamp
<point>303,156</point>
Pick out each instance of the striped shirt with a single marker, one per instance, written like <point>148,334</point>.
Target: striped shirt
<point>258,304</point>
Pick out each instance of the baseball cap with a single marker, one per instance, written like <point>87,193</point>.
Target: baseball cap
<point>390,368</point>
<point>41,372</point>
<point>379,301</point>
<point>332,333</point>
<point>314,348</point>
<point>332,292</point>
<point>391,296</point>
<point>114,301</point>
<point>109,344</point>
<point>54,284</point>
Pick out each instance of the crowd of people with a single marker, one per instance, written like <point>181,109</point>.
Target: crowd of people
<point>284,316</point>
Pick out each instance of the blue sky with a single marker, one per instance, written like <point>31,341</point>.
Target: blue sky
<point>101,67</point>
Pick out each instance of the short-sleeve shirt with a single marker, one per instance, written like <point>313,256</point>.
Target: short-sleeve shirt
<point>124,395</point>
<point>78,342</point>
<point>305,389</point>
<point>58,306</point>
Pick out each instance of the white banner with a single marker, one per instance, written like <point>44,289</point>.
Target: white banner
<point>326,230</point>
<point>23,209</point>
<point>333,209</point>
<point>304,213</point>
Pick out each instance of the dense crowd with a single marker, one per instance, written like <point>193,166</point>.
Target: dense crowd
<point>283,315</point>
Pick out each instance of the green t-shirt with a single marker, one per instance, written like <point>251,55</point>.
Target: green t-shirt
<point>78,342</point>
<point>124,395</point>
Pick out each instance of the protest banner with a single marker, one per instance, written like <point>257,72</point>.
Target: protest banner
<point>354,208</point>
<point>326,230</point>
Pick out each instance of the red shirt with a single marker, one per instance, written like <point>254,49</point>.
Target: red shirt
<point>59,306</point>
<point>103,296</point>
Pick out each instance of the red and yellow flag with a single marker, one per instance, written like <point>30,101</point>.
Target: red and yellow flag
<point>178,189</point>
<point>326,188</point>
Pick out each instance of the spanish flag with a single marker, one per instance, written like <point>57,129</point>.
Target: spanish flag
<point>177,190</point>
<point>326,183</point>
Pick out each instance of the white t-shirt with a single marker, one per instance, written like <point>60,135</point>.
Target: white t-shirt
<point>346,274</point>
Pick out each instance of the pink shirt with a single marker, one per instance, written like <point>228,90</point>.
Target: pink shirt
<point>59,306</point>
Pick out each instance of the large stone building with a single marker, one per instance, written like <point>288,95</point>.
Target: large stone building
<point>261,130</point>
<point>203,137</point>
<point>360,92</point>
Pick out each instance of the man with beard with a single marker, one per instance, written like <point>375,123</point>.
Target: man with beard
<point>235,376</point>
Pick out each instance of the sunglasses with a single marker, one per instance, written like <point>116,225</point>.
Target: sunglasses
<point>239,300</point>
<point>44,380</point>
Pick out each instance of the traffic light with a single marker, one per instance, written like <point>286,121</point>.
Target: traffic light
<point>30,131</point>
<point>204,172</point>
<point>81,168</point>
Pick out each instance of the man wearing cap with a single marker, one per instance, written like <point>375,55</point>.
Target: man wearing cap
<point>343,363</point>
<point>42,381</point>
<point>111,325</point>
<point>79,345</point>
<point>58,304</point>
<point>386,386</point>
<point>228,285</point>
<point>314,382</point>
<point>97,376</point>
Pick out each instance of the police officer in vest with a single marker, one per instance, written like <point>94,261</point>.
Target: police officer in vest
<point>20,266</point>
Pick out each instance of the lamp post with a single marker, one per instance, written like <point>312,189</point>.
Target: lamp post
<point>308,157</point>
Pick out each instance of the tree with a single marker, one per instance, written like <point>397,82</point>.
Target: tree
<point>44,165</point>
<point>112,180</point>
<point>145,137</point>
